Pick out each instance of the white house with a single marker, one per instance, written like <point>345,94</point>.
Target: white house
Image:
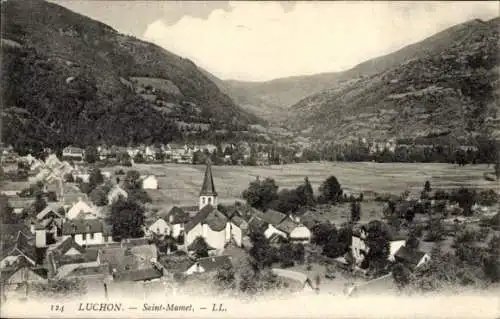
<point>172,222</point>
<point>150,182</point>
<point>115,193</point>
<point>81,209</point>
<point>159,227</point>
<point>73,153</point>
<point>87,232</point>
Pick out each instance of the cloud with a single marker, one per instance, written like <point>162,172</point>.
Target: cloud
<point>264,40</point>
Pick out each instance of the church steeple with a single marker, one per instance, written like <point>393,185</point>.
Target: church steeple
<point>208,195</point>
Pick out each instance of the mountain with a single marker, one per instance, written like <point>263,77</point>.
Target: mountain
<point>446,87</point>
<point>271,99</point>
<point>68,79</point>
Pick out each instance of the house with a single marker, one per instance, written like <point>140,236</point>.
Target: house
<point>81,209</point>
<point>137,263</point>
<point>53,210</point>
<point>48,225</point>
<point>67,255</point>
<point>21,250</point>
<point>412,258</point>
<point>115,193</point>
<point>149,182</point>
<point>14,280</point>
<point>171,223</point>
<point>359,247</point>
<point>208,264</point>
<point>73,153</point>
<point>295,230</point>
<point>279,224</point>
<point>159,227</point>
<point>87,232</point>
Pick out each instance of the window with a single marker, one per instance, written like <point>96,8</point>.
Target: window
<point>203,200</point>
<point>91,235</point>
<point>210,200</point>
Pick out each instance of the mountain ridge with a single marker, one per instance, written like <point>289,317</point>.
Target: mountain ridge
<point>73,76</point>
<point>449,90</point>
<point>281,93</point>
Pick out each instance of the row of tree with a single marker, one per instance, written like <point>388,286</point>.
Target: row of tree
<point>265,194</point>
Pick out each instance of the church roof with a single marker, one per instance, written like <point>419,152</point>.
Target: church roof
<point>208,187</point>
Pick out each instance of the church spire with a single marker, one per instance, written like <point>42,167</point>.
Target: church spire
<point>208,187</point>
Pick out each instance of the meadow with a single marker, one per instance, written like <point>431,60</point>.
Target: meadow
<point>180,184</point>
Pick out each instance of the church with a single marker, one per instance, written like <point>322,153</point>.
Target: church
<point>205,220</point>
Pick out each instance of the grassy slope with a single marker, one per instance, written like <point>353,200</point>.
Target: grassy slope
<point>451,90</point>
<point>58,44</point>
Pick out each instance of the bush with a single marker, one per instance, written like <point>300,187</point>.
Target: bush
<point>69,178</point>
<point>441,195</point>
<point>487,197</point>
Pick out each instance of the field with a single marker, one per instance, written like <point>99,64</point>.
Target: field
<point>180,184</point>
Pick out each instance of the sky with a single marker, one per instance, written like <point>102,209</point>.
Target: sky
<point>259,41</point>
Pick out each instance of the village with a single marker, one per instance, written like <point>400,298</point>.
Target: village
<point>98,230</point>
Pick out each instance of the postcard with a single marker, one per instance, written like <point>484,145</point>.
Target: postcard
<point>249,159</point>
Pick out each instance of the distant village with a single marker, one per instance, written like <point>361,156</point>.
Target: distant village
<point>65,222</point>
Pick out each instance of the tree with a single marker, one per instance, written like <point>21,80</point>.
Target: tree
<point>288,201</point>
<point>260,252</point>
<point>201,247</point>
<point>7,212</point>
<point>377,240</point>
<point>127,219</point>
<point>139,158</point>
<point>465,198</point>
<point>427,186</point>
<point>133,186</point>
<point>491,264</point>
<point>412,242</point>
<point>286,255</point>
<point>95,178</point>
<point>39,204</point>
<point>260,194</point>
<point>355,211</point>
<point>401,275</point>
<point>330,190</point>
<point>305,193</point>
<point>99,195</point>
<point>435,230</point>
<point>225,278</point>
<point>248,277</point>
<point>91,154</point>
<point>323,233</point>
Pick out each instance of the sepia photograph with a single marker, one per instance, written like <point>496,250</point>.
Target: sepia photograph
<point>249,159</point>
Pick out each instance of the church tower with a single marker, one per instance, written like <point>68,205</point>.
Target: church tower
<point>208,195</point>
